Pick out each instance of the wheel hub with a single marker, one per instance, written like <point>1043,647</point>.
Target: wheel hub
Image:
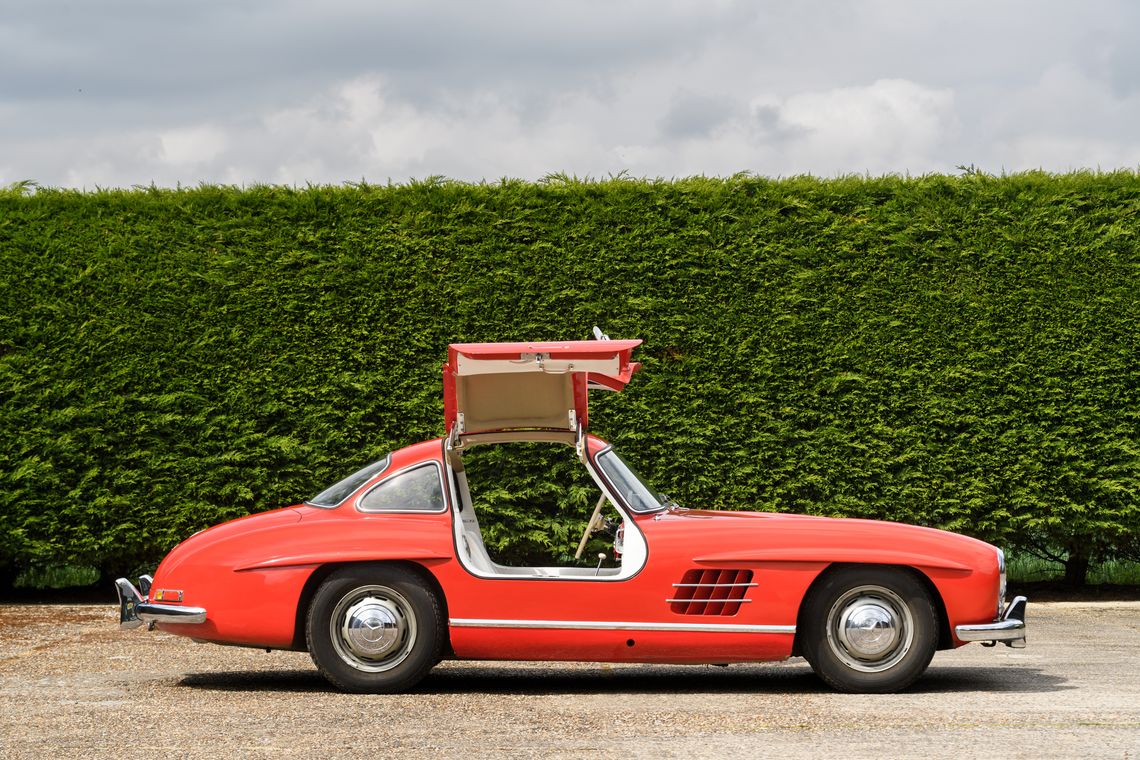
<point>868,629</point>
<point>373,628</point>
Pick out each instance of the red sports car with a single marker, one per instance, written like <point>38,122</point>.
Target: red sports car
<point>386,573</point>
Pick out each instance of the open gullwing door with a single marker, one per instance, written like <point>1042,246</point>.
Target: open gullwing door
<point>495,387</point>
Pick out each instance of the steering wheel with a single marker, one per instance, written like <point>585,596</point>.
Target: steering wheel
<point>596,521</point>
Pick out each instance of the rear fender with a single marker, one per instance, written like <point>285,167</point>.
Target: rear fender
<point>321,573</point>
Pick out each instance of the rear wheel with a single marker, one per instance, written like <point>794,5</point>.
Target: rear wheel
<point>375,628</point>
<point>869,629</point>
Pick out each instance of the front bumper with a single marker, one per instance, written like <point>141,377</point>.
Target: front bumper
<point>134,609</point>
<point>1009,629</point>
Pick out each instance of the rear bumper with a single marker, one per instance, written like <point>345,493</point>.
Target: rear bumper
<point>134,609</point>
<point>1009,629</point>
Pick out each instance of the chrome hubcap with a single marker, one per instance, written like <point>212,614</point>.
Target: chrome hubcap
<point>870,628</point>
<point>373,628</point>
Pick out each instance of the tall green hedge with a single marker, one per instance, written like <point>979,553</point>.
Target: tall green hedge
<point>953,351</point>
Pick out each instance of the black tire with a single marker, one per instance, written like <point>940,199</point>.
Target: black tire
<point>869,629</point>
<point>375,628</point>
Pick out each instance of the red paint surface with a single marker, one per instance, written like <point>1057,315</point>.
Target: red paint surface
<point>248,574</point>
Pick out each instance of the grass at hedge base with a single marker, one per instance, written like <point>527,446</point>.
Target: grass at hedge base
<point>951,351</point>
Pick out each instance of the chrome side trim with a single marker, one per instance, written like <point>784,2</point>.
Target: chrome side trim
<point>745,600</point>
<point>598,625</point>
<point>712,585</point>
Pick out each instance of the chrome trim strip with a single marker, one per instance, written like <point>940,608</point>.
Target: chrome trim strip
<point>707,601</point>
<point>597,625</point>
<point>712,585</point>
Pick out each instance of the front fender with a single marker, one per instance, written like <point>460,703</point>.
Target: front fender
<point>836,555</point>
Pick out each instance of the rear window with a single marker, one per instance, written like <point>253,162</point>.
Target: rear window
<point>419,489</point>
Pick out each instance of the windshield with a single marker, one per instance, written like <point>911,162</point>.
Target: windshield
<point>334,495</point>
<point>629,486</point>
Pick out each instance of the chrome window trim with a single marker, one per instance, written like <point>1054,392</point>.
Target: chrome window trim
<point>405,471</point>
<point>605,625</point>
<point>387,460</point>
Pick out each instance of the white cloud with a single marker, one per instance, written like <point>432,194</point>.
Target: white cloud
<point>192,145</point>
<point>298,93</point>
<point>889,125</point>
<point>1061,153</point>
<point>1067,120</point>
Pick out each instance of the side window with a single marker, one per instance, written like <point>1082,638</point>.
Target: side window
<point>416,490</point>
<point>334,495</point>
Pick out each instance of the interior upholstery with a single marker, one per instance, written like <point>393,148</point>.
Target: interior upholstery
<point>518,400</point>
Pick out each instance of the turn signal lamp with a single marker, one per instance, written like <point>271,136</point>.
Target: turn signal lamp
<point>167,595</point>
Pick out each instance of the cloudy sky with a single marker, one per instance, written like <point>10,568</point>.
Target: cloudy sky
<point>120,93</point>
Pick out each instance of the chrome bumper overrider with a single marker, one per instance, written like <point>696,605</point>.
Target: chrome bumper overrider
<point>1009,630</point>
<point>134,609</point>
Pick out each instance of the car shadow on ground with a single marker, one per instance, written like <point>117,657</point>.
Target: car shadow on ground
<point>662,679</point>
<point>1015,679</point>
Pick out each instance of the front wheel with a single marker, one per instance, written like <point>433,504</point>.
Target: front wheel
<point>869,629</point>
<point>374,629</point>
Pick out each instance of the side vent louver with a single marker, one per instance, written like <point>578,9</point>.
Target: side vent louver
<point>711,592</point>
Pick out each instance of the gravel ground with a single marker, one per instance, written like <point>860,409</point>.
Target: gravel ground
<point>73,684</point>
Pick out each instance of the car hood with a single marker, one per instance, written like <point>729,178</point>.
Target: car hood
<point>729,536</point>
